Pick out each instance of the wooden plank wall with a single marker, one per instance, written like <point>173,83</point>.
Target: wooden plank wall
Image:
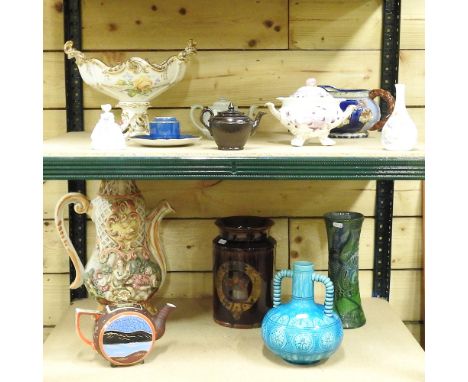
<point>250,51</point>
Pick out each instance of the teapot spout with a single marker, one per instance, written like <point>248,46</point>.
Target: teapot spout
<point>346,114</point>
<point>273,110</point>
<point>160,319</point>
<point>153,221</point>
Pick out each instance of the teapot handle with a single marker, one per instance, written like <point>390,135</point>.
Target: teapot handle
<point>78,313</point>
<point>196,121</point>
<point>82,205</point>
<point>329,292</point>
<point>389,100</point>
<point>252,110</point>
<point>277,285</point>
<point>206,110</point>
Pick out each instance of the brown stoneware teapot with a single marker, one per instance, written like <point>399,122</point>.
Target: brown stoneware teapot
<point>230,129</point>
<point>124,334</point>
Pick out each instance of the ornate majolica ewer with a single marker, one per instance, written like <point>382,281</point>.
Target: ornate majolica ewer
<point>134,82</point>
<point>128,262</point>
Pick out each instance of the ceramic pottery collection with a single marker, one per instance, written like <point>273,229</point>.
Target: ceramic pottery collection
<point>243,266</point>
<point>301,331</point>
<point>128,266</point>
<point>128,262</point>
<point>124,334</point>
<point>367,114</point>
<point>343,231</point>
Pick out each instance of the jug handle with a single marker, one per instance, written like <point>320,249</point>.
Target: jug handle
<point>196,122</point>
<point>78,313</point>
<point>277,285</point>
<point>389,100</point>
<point>82,205</point>
<point>252,110</point>
<point>329,292</point>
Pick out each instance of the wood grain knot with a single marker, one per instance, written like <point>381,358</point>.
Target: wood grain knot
<point>154,8</point>
<point>138,22</point>
<point>294,254</point>
<point>112,27</point>
<point>268,23</point>
<point>277,28</point>
<point>58,6</point>
<point>252,43</point>
<point>182,11</point>
<point>298,239</point>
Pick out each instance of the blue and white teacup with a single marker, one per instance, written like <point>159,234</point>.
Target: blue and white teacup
<point>164,128</point>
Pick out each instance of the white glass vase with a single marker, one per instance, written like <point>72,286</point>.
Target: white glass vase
<point>399,132</point>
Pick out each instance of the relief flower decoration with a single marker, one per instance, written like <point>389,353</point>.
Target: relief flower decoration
<point>141,85</point>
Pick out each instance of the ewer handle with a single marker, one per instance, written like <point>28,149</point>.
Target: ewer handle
<point>329,292</point>
<point>195,121</point>
<point>277,285</point>
<point>82,205</point>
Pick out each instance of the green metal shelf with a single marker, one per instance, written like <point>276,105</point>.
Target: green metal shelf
<point>391,168</point>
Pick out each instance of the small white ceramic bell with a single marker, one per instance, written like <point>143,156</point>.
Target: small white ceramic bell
<point>399,132</point>
<point>107,135</point>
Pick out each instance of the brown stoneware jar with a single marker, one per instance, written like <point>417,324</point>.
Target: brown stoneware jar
<point>243,266</point>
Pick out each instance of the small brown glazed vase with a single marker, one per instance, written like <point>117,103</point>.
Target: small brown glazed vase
<point>243,266</point>
<point>124,334</point>
<point>230,129</point>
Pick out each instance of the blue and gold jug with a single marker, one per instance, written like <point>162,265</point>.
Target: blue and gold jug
<point>301,331</point>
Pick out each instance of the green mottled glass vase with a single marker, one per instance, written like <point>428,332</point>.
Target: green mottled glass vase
<point>343,231</point>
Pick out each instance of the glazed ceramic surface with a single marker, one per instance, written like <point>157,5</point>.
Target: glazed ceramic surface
<point>128,262</point>
<point>134,82</point>
<point>165,128</point>
<point>222,104</point>
<point>243,266</point>
<point>230,129</point>
<point>400,131</point>
<point>183,140</point>
<point>367,114</point>
<point>124,334</point>
<point>107,135</point>
<point>311,112</point>
<point>343,231</point>
<point>302,331</point>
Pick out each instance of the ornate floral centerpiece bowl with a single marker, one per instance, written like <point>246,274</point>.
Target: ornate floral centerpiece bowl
<point>134,83</point>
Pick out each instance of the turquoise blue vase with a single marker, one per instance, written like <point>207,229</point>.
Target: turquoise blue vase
<point>301,331</point>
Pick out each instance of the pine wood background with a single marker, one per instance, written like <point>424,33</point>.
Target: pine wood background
<point>250,51</point>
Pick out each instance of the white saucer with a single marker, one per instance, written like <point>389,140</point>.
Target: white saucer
<point>160,142</point>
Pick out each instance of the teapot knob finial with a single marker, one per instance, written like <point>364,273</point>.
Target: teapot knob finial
<point>311,82</point>
<point>231,107</point>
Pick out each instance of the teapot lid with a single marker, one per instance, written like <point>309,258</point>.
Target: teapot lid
<point>311,90</point>
<point>231,112</point>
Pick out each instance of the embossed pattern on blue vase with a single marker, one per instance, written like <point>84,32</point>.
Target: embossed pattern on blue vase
<point>301,331</point>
